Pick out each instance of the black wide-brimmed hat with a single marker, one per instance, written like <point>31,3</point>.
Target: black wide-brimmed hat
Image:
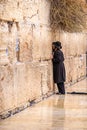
<point>57,44</point>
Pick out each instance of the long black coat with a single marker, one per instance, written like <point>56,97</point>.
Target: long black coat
<point>58,67</point>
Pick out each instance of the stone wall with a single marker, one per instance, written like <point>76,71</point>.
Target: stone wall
<point>74,48</point>
<point>25,50</point>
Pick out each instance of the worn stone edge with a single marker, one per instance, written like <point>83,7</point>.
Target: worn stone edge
<point>75,81</point>
<point>24,106</point>
<point>29,103</point>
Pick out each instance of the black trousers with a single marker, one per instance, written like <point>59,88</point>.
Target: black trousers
<point>61,87</point>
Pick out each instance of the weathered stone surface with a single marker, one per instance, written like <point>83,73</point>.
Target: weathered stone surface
<point>25,49</point>
<point>74,48</point>
<point>6,87</point>
<point>27,82</point>
<point>6,115</point>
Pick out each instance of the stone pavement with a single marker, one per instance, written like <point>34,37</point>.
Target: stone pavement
<point>58,112</point>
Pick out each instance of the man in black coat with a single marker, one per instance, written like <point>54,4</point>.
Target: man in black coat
<point>59,75</point>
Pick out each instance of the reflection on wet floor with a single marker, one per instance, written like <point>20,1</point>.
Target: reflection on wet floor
<point>58,112</point>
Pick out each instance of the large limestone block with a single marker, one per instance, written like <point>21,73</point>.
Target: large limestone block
<point>73,43</point>
<point>10,10</point>
<point>44,74</point>
<point>34,80</point>
<point>81,65</point>
<point>29,42</point>
<point>3,42</point>
<point>30,11</point>
<point>35,43</point>
<point>36,47</point>
<point>26,42</point>
<point>27,82</point>
<point>74,70</point>
<point>44,10</point>
<point>36,52</point>
<point>8,37</point>
<point>68,67</point>
<point>12,38</point>
<point>50,76</point>
<point>46,45</point>
<point>6,88</point>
